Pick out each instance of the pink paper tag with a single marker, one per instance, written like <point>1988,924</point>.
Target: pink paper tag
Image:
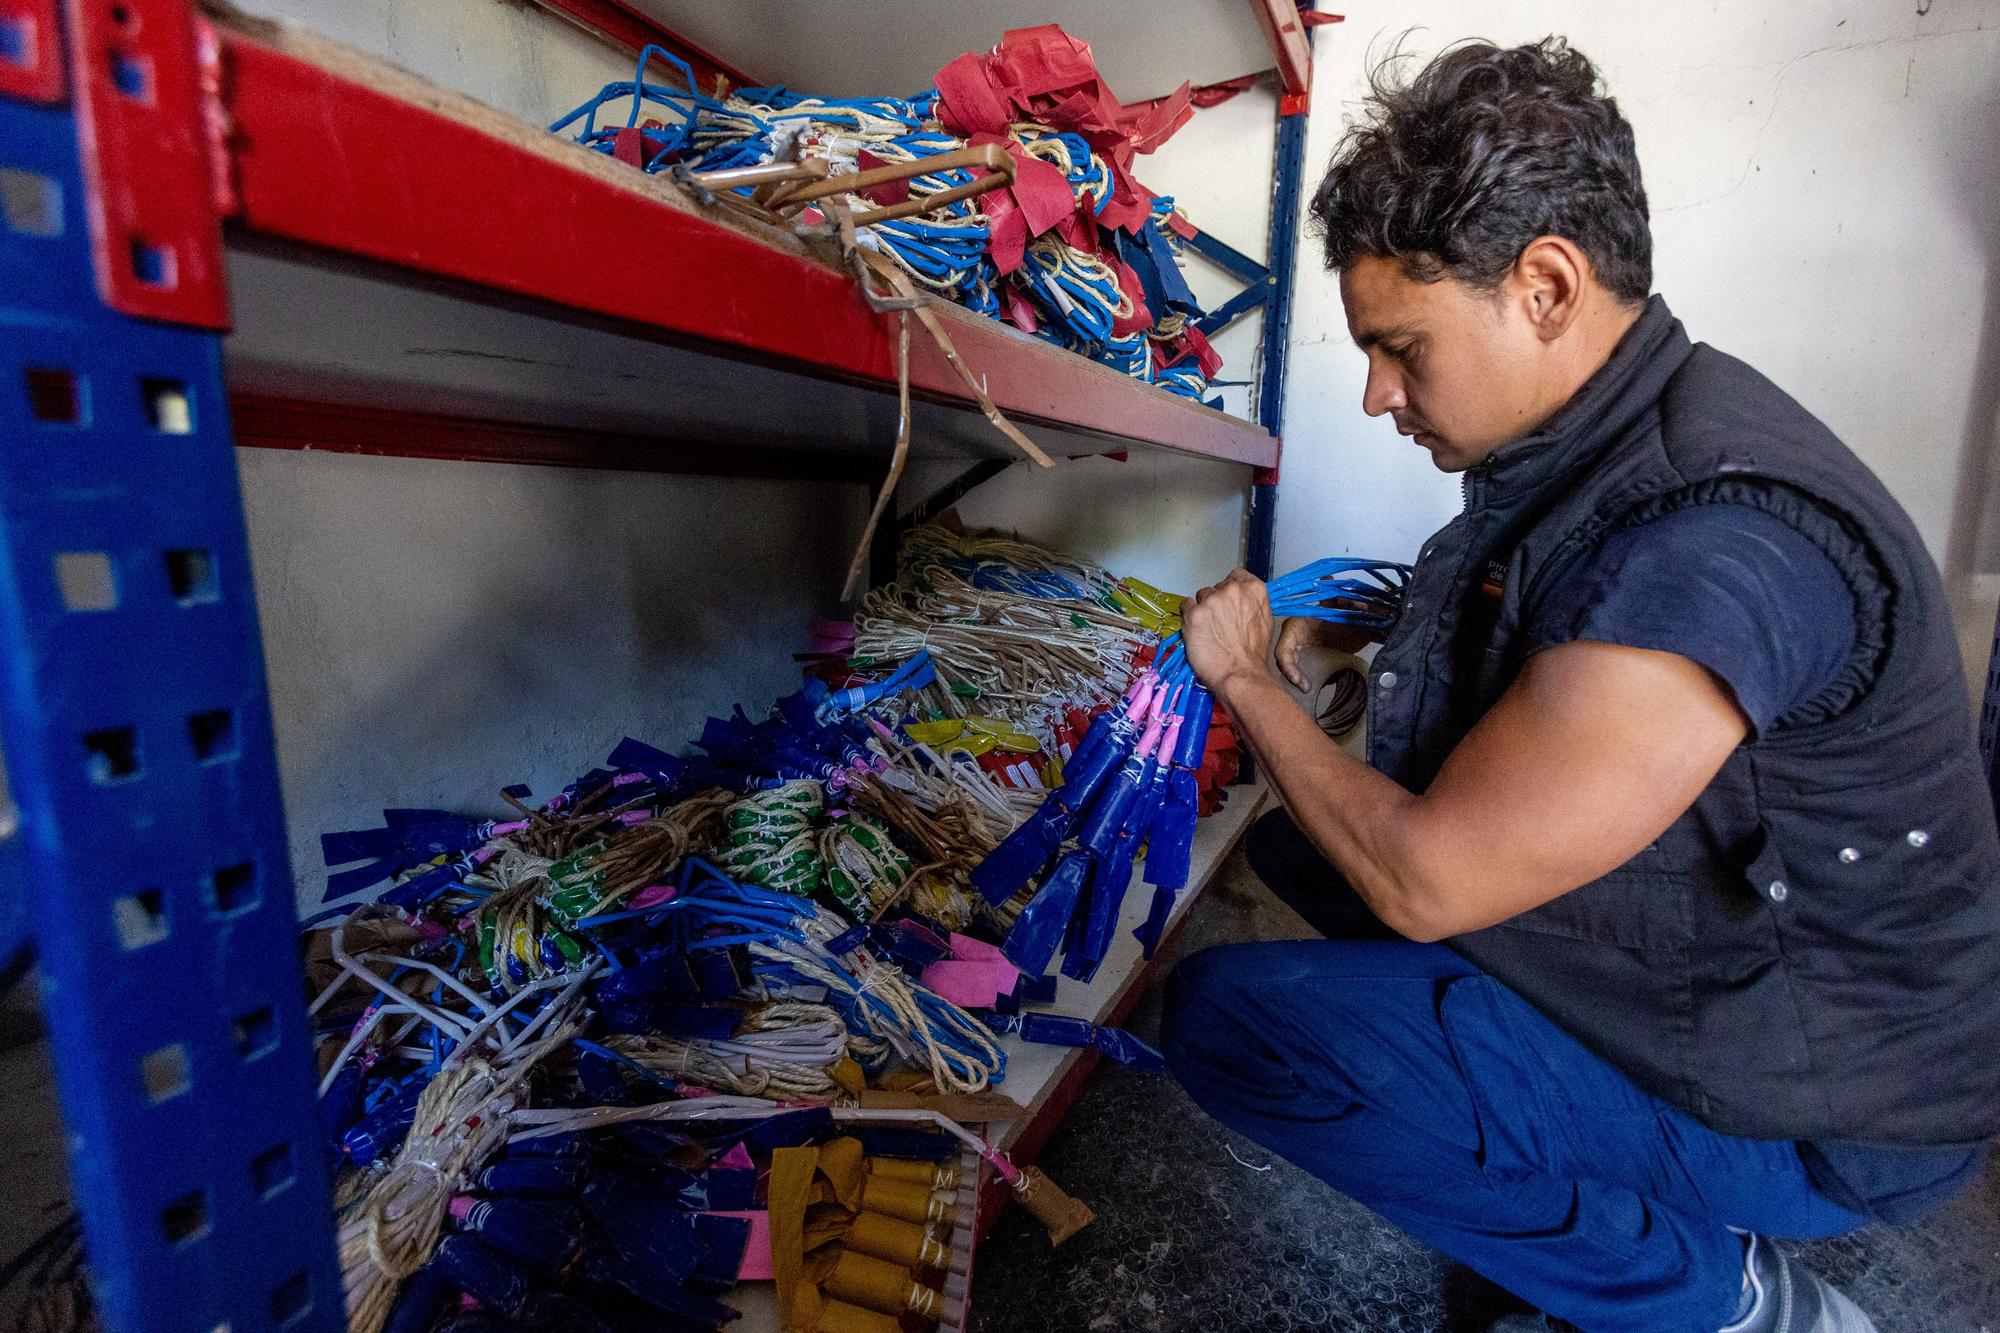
<point>967,949</point>
<point>736,1159</point>
<point>652,893</point>
<point>972,985</point>
<point>756,1254</point>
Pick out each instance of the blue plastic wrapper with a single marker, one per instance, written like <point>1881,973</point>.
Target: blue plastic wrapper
<point>607,1081</point>
<point>544,1237</point>
<point>1028,848</point>
<point>908,949</point>
<point>720,973</point>
<point>409,838</point>
<point>1170,839</point>
<point>1098,920</point>
<point>658,975</point>
<point>1198,713</point>
<point>726,1238</point>
<point>812,1124</point>
<point>732,1189</point>
<point>1027,991</point>
<point>1114,807</point>
<point>1113,875</point>
<point>648,1232</point>
<point>648,1142</point>
<point>684,1189</point>
<point>655,1287</point>
<point>637,756</point>
<point>1021,853</point>
<point>1149,931</point>
<point>1063,1030</point>
<point>494,1280</point>
<point>668,1018</point>
<point>1032,940</point>
<point>340,1106</point>
<point>533,1178</point>
<point>384,1128</point>
<point>422,1299</point>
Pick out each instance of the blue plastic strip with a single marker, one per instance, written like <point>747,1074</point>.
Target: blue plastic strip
<point>1235,308</point>
<point>151,851</point>
<point>1227,258</point>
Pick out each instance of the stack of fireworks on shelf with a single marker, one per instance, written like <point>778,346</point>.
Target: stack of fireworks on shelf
<point>799,910</point>
<point>1006,187</point>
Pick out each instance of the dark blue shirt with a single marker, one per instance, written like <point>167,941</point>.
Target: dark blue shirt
<point>1756,602</point>
<point>1731,587</point>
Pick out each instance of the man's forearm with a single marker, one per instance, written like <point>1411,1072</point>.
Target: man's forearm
<point>1360,820</point>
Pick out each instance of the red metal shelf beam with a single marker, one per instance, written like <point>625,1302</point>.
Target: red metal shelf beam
<point>262,421</point>
<point>326,160</point>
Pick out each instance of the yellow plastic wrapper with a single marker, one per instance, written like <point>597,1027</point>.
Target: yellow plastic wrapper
<point>1155,608</point>
<point>973,735</point>
<point>1004,737</point>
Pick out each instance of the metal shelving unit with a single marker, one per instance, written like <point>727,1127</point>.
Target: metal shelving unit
<point>142,858</point>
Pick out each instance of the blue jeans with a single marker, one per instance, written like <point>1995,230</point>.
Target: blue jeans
<point>1407,1079</point>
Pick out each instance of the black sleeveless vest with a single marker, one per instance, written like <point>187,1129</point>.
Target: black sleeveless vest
<point>1812,950</point>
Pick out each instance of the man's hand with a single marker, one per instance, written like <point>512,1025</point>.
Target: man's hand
<point>1227,629</point>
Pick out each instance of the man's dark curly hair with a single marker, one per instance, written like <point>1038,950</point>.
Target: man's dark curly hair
<point>1456,171</point>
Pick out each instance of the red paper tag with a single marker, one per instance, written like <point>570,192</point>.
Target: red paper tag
<point>1042,191</point>
<point>889,193</point>
<point>1020,311</point>
<point>629,146</point>
<point>1205,354</point>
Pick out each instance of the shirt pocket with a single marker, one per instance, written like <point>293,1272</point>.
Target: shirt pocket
<point>1636,907</point>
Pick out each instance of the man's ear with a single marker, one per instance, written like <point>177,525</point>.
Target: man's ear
<point>1549,277</point>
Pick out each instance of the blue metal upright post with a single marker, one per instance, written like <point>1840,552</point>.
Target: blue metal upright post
<point>1989,718</point>
<point>149,862</point>
<point>1288,180</point>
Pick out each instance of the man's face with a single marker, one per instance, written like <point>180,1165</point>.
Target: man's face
<point>1457,366</point>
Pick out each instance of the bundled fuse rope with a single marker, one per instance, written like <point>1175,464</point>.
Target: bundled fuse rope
<point>1069,247</point>
<point>1130,783</point>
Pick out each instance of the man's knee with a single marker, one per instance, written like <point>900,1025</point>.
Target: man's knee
<point>1207,1012</point>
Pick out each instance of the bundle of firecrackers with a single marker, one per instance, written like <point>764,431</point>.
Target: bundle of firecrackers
<point>799,907</point>
<point>1074,250</point>
<point>648,1224</point>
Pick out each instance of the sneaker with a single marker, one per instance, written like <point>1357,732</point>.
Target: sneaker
<point>1788,1297</point>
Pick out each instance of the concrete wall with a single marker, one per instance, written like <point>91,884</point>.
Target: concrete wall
<point>517,57</point>
<point>435,631</point>
<point>1824,178</point>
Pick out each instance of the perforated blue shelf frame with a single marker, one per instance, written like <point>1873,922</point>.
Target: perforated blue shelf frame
<point>148,865</point>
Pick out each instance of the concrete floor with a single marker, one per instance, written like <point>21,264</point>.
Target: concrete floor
<point>1201,1230</point>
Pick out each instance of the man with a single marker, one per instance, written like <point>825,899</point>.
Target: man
<point>1665,916</point>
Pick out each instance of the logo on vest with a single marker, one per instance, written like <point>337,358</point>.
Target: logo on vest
<point>1495,583</point>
